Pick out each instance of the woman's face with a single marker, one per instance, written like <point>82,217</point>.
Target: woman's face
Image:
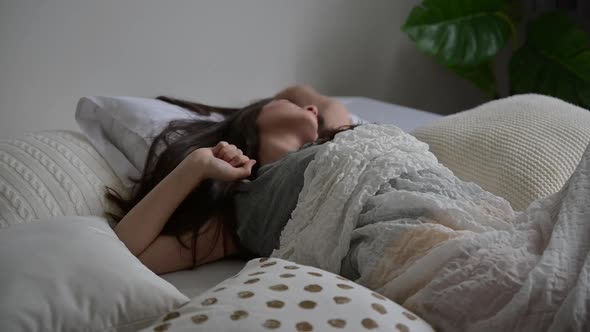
<point>284,127</point>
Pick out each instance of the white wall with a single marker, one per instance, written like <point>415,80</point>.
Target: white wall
<point>216,51</point>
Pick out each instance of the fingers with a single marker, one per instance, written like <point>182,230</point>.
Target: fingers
<point>219,146</point>
<point>238,160</point>
<point>246,169</point>
<point>226,151</point>
<point>230,154</point>
<point>248,165</point>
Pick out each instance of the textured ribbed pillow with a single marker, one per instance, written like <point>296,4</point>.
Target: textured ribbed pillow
<point>521,148</point>
<point>53,173</point>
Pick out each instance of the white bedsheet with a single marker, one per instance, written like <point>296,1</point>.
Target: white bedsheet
<point>194,282</point>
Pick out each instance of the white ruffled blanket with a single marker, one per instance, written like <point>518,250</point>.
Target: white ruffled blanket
<point>377,207</point>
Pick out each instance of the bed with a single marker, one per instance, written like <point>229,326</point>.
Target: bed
<point>521,149</point>
<point>59,173</point>
<point>529,153</point>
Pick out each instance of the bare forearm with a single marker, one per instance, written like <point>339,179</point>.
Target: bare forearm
<point>144,222</point>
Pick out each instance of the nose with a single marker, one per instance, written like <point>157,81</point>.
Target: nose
<point>313,109</point>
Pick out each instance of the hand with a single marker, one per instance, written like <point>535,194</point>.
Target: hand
<point>223,162</point>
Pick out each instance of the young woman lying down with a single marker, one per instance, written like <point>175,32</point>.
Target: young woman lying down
<point>183,209</point>
<point>288,176</point>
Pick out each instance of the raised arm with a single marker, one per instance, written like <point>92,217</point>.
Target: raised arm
<point>140,229</point>
<point>144,222</point>
<point>333,112</point>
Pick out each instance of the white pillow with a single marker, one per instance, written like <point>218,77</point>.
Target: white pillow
<point>521,148</point>
<point>73,274</point>
<point>278,295</point>
<point>52,173</point>
<point>122,128</point>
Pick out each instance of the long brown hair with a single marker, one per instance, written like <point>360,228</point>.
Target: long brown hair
<point>212,198</point>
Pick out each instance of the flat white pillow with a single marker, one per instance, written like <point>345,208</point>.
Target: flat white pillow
<point>73,274</point>
<point>522,148</point>
<point>122,128</point>
<point>271,294</point>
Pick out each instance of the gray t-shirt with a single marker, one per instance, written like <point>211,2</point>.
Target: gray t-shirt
<point>264,205</point>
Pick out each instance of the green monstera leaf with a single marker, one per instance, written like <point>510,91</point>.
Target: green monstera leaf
<point>482,76</point>
<point>554,61</point>
<point>460,33</point>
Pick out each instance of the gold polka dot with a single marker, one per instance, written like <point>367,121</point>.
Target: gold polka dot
<point>344,286</point>
<point>287,275</point>
<point>313,288</point>
<point>199,319</point>
<point>171,315</point>
<point>304,327</point>
<point>162,327</point>
<point>218,289</point>
<point>237,275</point>
<point>276,304</point>
<point>342,278</point>
<point>337,323</point>
<point>307,304</point>
<point>379,308</point>
<point>279,287</point>
<point>341,299</point>
<point>369,324</point>
<point>263,259</point>
<point>251,281</point>
<point>409,315</point>
<point>402,328</point>
<point>268,264</point>
<point>379,296</point>
<point>238,314</point>
<point>291,267</point>
<point>245,294</point>
<point>315,274</point>
<point>272,324</point>
<point>209,301</point>
<point>256,273</point>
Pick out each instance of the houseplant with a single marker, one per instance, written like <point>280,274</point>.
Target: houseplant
<point>467,35</point>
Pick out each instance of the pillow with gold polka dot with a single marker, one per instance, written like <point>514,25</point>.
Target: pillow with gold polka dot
<point>271,294</point>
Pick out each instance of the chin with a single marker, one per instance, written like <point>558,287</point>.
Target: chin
<point>313,134</point>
